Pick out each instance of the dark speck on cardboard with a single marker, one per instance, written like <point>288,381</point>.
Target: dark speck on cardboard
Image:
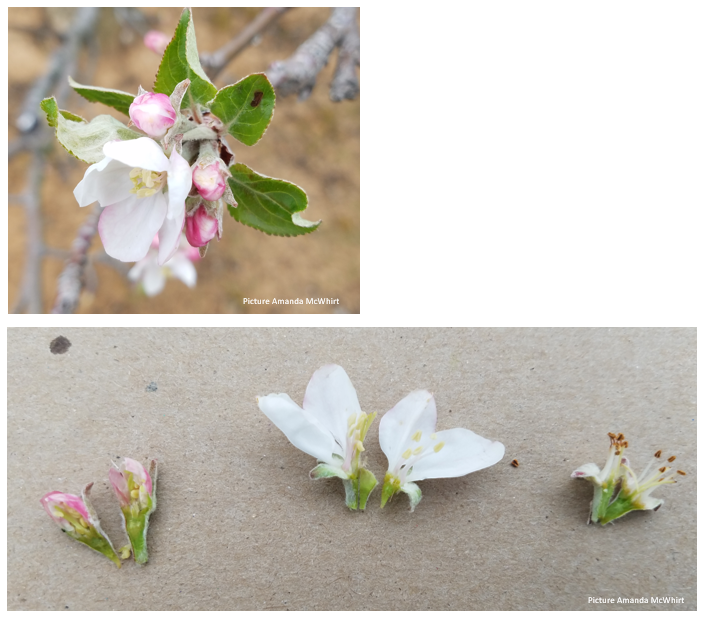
<point>151,387</point>
<point>60,345</point>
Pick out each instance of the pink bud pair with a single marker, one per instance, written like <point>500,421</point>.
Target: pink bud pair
<point>153,113</point>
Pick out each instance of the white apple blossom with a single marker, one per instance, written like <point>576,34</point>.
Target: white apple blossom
<point>153,277</point>
<point>618,490</point>
<point>142,193</point>
<point>415,451</point>
<point>330,427</point>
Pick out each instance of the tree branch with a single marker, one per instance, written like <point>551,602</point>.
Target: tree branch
<point>214,63</point>
<point>345,84</point>
<point>297,75</point>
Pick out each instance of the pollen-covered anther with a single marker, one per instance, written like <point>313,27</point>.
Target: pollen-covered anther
<point>681,472</point>
<point>657,454</point>
<point>418,450</point>
<point>417,436</point>
<point>146,182</point>
<point>406,454</point>
<point>671,459</point>
<point>439,446</point>
<point>662,470</point>
<point>359,446</point>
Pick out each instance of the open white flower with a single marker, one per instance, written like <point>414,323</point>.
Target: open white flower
<point>142,193</point>
<point>153,277</point>
<point>618,490</point>
<point>330,427</point>
<point>407,435</point>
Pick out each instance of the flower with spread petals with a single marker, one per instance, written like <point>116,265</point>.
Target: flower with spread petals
<point>415,451</point>
<point>78,520</point>
<point>135,489</point>
<point>152,276</point>
<point>330,427</point>
<point>618,490</point>
<point>142,193</point>
<point>153,113</point>
<point>157,41</point>
<point>201,227</point>
<point>209,181</point>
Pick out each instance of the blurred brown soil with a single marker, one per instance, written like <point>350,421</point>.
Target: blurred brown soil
<point>315,144</point>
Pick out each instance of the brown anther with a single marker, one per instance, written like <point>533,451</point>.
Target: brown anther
<point>611,435</point>
<point>626,444</point>
<point>515,463</point>
<point>657,454</point>
<point>681,472</point>
<point>662,470</point>
<point>620,436</point>
<point>671,459</point>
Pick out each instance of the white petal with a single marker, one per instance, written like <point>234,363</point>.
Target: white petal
<point>137,270</point>
<point>107,182</point>
<point>127,228</point>
<point>183,269</point>
<point>416,412</point>
<point>462,453</point>
<point>331,398</point>
<point>588,471</point>
<point>142,152</point>
<point>169,237</point>
<point>179,183</point>
<point>153,281</point>
<point>302,429</point>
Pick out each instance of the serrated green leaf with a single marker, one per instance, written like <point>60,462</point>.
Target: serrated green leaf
<point>116,99</point>
<point>245,108</point>
<point>268,204</point>
<point>180,62</point>
<point>85,140</point>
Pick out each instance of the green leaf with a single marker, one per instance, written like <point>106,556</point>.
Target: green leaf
<point>85,140</point>
<point>116,99</point>
<point>245,108</point>
<point>268,204</point>
<point>181,62</point>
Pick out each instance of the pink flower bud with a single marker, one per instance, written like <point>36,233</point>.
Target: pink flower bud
<point>65,509</point>
<point>156,41</point>
<point>152,113</point>
<point>209,181</point>
<point>201,227</point>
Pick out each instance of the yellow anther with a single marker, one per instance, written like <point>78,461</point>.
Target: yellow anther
<point>417,436</point>
<point>81,529</point>
<point>135,172</point>
<point>146,183</point>
<point>439,446</point>
<point>433,436</point>
<point>351,419</point>
<point>406,454</point>
<point>359,447</point>
<point>84,523</point>
<point>135,493</point>
<point>418,450</point>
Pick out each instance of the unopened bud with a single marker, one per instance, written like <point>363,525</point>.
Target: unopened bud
<point>153,113</point>
<point>201,227</point>
<point>209,181</point>
<point>156,41</point>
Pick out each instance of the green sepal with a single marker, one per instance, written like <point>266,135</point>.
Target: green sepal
<point>325,471</point>
<point>98,543</point>
<point>358,489</point>
<point>268,204</point>
<point>245,108</point>
<point>116,99</point>
<point>180,62</point>
<point>85,140</point>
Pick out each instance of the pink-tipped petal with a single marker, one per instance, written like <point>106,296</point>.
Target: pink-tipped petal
<point>117,480</point>
<point>139,472</point>
<point>153,113</point>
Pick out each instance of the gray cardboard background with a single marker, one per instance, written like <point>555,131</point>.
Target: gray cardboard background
<point>240,526</point>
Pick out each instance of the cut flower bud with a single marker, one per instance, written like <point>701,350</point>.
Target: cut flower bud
<point>78,520</point>
<point>330,427</point>
<point>153,114</point>
<point>135,489</point>
<point>618,490</point>
<point>209,181</point>
<point>407,435</point>
<point>201,227</point>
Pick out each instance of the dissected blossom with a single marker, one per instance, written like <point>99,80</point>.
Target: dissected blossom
<point>153,113</point>
<point>415,451</point>
<point>142,193</point>
<point>135,489</point>
<point>330,427</point>
<point>152,277</point>
<point>618,490</point>
<point>78,520</point>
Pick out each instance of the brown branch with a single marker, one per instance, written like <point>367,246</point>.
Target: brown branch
<point>214,63</point>
<point>71,279</point>
<point>297,74</point>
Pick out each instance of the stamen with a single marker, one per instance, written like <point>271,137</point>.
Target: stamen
<point>658,454</point>
<point>439,446</point>
<point>418,450</point>
<point>406,454</point>
<point>359,447</point>
<point>351,419</point>
<point>417,436</point>
<point>662,470</point>
<point>84,523</point>
<point>681,472</point>
<point>135,493</point>
<point>671,459</point>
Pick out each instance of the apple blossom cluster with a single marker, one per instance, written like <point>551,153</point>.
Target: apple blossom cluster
<point>170,170</point>
<point>135,489</point>
<point>618,490</point>
<point>331,427</point>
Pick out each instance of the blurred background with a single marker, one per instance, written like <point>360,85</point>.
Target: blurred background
<point>314,143</point>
